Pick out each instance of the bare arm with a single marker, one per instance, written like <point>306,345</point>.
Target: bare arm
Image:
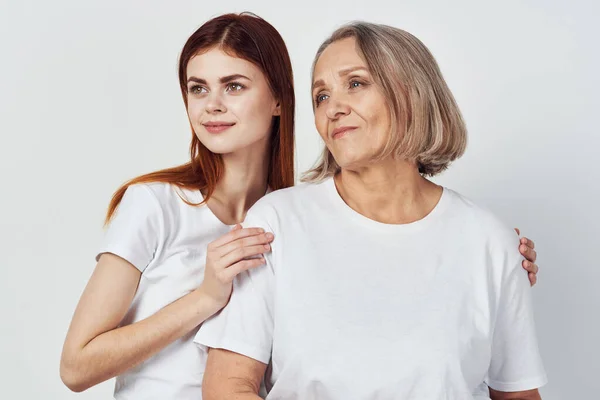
<point>96,350</point>
<point>231,376</point>
<point>525,395</point>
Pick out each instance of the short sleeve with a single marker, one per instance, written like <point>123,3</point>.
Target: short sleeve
<point>245,325</point>
<point>516,364</point>
<point>134,231</point>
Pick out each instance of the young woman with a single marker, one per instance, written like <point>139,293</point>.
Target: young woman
<point>173,243</point>
<point>149,292</point>
<point>380,284</point>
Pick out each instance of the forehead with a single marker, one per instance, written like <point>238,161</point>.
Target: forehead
<point>216,63</point>
<point>339,55</point>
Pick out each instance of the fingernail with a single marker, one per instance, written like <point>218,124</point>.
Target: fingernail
<point>267,246</point>
<point>270,235</point>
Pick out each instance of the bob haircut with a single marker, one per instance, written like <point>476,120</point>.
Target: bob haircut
<point>427,126</point>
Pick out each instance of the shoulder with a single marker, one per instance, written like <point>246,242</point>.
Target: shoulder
<point>161,199</point>
<point>496,244</point>
<point>139,196</point>
<point>498,236</point>
<point>166,194</point>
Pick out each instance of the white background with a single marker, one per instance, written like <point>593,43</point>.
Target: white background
<point>89,97</point>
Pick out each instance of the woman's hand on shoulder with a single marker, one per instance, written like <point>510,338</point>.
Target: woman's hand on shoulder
<point>239,250</point>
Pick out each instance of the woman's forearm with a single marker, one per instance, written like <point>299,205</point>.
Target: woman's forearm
<point>114,352</point>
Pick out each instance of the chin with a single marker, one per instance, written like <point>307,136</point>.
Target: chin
<point>218,146</point>
<point>348,160</point>
<point>222,149</point>
<point>229,145</point>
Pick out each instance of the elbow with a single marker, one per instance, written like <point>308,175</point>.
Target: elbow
<point>210,392</point>
<point>211,389</point>
<point>72,378</point>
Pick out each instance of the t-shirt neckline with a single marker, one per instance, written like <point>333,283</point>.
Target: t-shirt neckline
<point>356,217</point>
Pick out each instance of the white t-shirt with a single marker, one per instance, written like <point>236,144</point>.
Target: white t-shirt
<point>350,308</point>
<point>166,239</point>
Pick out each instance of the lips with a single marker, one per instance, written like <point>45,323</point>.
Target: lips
<point>341,131</point>
<point>217,127</point>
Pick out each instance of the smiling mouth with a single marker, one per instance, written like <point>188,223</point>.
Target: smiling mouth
<point>342,131</point>
<point>218,127</point>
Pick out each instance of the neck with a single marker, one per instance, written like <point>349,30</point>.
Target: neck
<point>244,181</point>
<point>390,191</point>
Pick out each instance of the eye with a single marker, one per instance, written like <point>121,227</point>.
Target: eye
<point>320,98</point>
<point>234,87</point>
<point>354,84</point>
<point>197,89</point>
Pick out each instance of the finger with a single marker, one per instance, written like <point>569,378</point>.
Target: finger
<point>530,267</point>
<point>241,266</point>
<point>235,234</point>
<point>518,231</point>
<point>536,269</point>
<point>528,253</point>
<point>243,252</point>
<point>532,279</point>
<point>263,238</point>
<point>528,242</point>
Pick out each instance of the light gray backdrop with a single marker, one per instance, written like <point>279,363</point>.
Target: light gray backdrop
<point>89,98</point>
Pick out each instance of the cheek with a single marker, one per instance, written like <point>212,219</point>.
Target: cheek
<point>377,116</point>
<point>245,108</point>
<point>321,123</point>
<point>384,123</point>
<point>377,124</point>
<point>253,112</point>
<point>379,132</point>
<point>194,109</point>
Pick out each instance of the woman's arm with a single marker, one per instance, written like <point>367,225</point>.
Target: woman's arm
<point>526,395</point>
<point>96,350</point>
<point>231,375</point>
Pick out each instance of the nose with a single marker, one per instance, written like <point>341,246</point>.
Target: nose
<point>214,104</point>
<point>337,107</point>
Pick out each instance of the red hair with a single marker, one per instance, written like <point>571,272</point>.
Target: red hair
<point>251,38</point>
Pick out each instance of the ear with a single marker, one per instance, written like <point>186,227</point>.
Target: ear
<point>277,110</point>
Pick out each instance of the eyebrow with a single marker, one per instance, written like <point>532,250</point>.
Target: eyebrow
<point>225,79</point>
<point>352,69</point>
<point>346,71</point>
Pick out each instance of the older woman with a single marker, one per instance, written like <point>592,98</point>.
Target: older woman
<point>380,284</point>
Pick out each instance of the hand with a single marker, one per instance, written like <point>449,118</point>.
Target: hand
<point>229,255</point>
<point>527,249</point>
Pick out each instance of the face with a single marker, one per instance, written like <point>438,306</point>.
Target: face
<point>230,104</point>
<point>351,112</point>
